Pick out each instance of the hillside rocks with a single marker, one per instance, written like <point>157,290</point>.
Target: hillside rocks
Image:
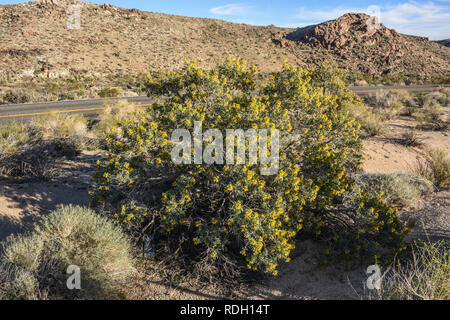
<point>113,40</point>
<point>377,48</point>
<point>280,39</point>
<point>345,33</point>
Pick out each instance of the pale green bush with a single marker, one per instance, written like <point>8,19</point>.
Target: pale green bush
<point>399,189</point>
<point>370,122</point>
<point>70,235</point>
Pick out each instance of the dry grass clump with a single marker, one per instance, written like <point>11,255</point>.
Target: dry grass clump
<point>34,266</point>
<point>410,138</point>
<point>12,136</point>
<point>425,276</point>
<point>371,123</point>
<point>30,150</point>
<point>115,112</point>
<point>435,167</point>
<point>398,189</point>
<point>57,126</point>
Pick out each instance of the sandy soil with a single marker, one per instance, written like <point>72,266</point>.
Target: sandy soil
<point>22,203</point>
<point>388,154</point>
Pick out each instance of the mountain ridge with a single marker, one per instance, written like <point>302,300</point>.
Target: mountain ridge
<point>34,40</point>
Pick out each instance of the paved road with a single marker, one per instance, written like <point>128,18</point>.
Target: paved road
<point>90,107</point>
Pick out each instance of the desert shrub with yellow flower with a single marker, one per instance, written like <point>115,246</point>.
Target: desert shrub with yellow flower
<point>215,213</point>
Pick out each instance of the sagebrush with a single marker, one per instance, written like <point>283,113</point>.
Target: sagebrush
<point>33,266</point>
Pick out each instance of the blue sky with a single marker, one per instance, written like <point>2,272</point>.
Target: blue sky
<point>425,18</point>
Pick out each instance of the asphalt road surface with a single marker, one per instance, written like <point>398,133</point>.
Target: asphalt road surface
<point>91,107</point>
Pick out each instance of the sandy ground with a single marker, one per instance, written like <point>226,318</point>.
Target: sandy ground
<point>21,204</point>
<point>388,154</point>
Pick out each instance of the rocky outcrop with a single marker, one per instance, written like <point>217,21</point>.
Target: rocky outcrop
<point>346,32</point>
<point>280,39</point>
<point>359,37</point>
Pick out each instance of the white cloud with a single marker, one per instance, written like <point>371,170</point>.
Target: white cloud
<point>230,9</point>
<point>426,19</point>
<point>422,19</point>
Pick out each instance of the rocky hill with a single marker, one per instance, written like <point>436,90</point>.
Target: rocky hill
<point>35,40</point>
<point>377,48</point>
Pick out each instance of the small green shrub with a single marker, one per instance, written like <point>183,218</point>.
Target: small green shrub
<point>35,265</point>
<point>435,167</point>
<point>371,123</point>
<point>14,97</point>
<point>424,276</point>
<point>398,189</point>
<point>108,93</point>
<point>431,117</point>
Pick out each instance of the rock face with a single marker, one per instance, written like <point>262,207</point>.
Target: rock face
<point>346,32</point>
<point>280,39</point>
<point>357,36</point>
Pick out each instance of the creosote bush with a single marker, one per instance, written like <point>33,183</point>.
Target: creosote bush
<point>33,266</point>
<point>14,97</point>
<point>212,214</point>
